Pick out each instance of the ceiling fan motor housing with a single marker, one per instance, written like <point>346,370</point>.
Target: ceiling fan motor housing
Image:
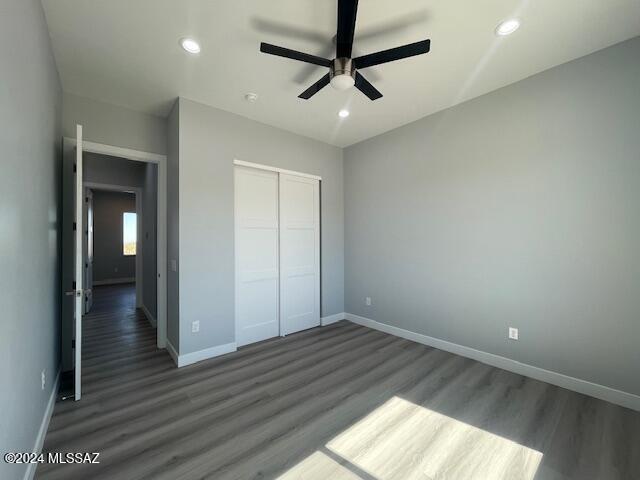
<point>342,73</point>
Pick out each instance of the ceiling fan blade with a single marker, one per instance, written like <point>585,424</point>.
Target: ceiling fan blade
<point>315,88</point>
<point>293,54</point>
<point>392,54</point>
<point>347,12</point>
<point>308,72</point>
<point>365,87</point>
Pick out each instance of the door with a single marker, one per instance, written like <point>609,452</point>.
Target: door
<point>256,243</point>
<point>299,253</point>
<point>72,265</point>
<point>88,249</point>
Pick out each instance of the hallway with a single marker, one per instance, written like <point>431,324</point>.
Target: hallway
<point>116,338</point>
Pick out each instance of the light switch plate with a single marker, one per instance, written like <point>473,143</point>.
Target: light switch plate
<point>513,333</point>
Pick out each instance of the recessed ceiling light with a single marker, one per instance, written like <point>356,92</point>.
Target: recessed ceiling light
<point>190,45</point>
<point>507,27</point>
<point>343,113</point>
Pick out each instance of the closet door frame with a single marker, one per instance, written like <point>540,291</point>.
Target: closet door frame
<point>278,170</point>
<point>259,166</point>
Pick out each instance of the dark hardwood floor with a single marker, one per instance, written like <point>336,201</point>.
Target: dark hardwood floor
<point>342,402</point>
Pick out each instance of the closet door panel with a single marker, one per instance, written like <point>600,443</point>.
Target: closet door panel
<point>299,253</point>
<point>257,268</point>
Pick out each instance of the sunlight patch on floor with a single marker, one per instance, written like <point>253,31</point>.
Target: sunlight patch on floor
<point>402,440</point>
<point>319,466</point>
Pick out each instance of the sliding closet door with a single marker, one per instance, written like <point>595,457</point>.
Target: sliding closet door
<point>299,253</point>
<point>256,243</point>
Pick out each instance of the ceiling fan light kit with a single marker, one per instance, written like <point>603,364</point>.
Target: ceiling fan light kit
<point>343,70</point>
<point>342,74</point>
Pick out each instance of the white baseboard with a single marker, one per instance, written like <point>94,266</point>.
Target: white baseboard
<point>44,426</point>
<point>328,320</point>
<point>194,357</point>
<point>150,317</point>
<point>114,281</point>
<point>585,387</point>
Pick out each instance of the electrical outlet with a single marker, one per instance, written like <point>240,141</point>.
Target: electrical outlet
<point>115,269</point>
<point>367,301</point>
<point>43,378</point>
<point>513,333</point>
<point>195,326</point>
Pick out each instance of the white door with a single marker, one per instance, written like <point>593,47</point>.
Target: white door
<point>256,243</point>
<point>299,253</point>
<point>88,250</point>
<point>72,260</point>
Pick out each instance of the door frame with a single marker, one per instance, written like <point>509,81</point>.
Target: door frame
<point>137,192</point>
<point>161,233</point>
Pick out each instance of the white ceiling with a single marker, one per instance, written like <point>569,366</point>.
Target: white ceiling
<point>126,52</point>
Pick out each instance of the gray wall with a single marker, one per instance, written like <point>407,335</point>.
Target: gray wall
<point>173,227</point>
<point>149,239</point>
<point>209,141</point>
<point>30,132</point>
<point>109,262</point>
<point>519,208</point>
<point>113,170</point>
<point>113,125</point>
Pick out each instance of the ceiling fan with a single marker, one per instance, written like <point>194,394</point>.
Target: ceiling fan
<point>343,70</point>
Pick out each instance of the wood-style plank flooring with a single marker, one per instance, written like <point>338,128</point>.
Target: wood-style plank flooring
<point>337,402</point>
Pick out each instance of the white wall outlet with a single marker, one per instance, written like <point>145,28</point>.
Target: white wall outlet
<point>43,378</point>
<point>174,266</point>
<point>115,269</point>
<point>513,333</point>
<point>195,326</point>
<point>367,301</point>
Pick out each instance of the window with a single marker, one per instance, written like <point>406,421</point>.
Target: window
<point>129,233</point>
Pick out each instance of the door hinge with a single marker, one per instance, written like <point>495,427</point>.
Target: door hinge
<point>74,285</point>
<point>73,343</point>
<point>75,226</point>
<point>86,199</point>
<point>75,168</point>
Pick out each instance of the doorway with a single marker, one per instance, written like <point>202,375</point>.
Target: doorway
<point>79,248</point>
